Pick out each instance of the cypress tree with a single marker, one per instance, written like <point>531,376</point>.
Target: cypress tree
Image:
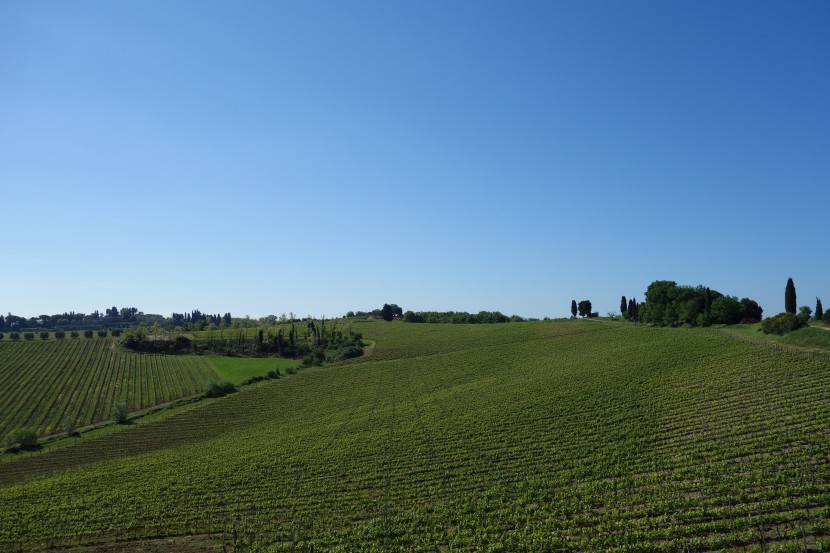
<point>624,307</point>
<point>789,297</point>
<point>819,310</point>
<point>573,308</point>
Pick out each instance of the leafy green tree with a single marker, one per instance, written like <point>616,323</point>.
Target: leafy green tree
<point>819,310</point>
<point>68,425</point>
<point>119,413</point>
<point>789,297</point>
<point>805,313</point>
<point>24,439</point>
<point>386,312</point>
<point>751,309</point>
<point>726,310</point>
<point>573,308</point>
<point>584,308</point>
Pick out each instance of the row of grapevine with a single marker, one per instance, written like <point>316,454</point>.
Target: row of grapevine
<point>44,382</point>
<point>548,436</point>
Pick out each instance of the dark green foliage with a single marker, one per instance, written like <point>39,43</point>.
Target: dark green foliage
<point>789,297</point>
<point>584,308</point>
<point>624,307</point>
<point>24,439</point>
<point>274,374</point>
<point>28,335</point>
<point>459,317</point>
<point>44,335</point>
<point>819,310</point>
<point>119,413</point>
<point>574,308</point>
<point>74,333</point>
<point>60,334</point>
<point>726,310</point>
<point>386,312</point>
<point>88,334</point>
<point>102,333</point>
<point>68,425</point>
<point>805,313</point>
<point>14,335</point>
<point>782,324</point>
<point>252,379</point>
<point>751,310</point>
<point>219,389</point>
<point>826,317</point>
<point>116,332</point>
<point>671,305</point>
<point>1,335</point>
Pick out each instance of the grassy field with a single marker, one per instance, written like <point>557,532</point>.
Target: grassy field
<point>44,381</point>
<point>582,435</point>
<point>237,369</point>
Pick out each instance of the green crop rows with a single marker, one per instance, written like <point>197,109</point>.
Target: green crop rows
<point>44,381</point>
<point>555,436</point>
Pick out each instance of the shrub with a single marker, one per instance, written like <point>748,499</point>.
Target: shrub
<point>219,389</point>
<point>252,379</point>
<point>87,334</point>
<point>826,317</point>
<point>24,439</point>
<point>44,335</point>
<point>115,332</point>
<point>102,333</point>
<point>60,334</point>
<point>1,335</point>
<point>28,335</point>
<point>14,336</point>
<point>68,426</point>
<point>782,324</point>
<point>119,412</point>
<point>274,374</point>
<point>74,333</point>
<point>290,370</point>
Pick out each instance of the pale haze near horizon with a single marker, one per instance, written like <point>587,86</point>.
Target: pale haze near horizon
<point>275,157</point>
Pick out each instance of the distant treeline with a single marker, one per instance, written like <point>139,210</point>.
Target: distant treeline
<point>458,317</point>
<point>314,341</point>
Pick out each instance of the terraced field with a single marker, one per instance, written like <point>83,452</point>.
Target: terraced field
<point>545,436</point>
<point>44,381</point>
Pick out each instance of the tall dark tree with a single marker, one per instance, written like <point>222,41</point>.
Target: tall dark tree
<point>573,308</point>
<point>789,297</point>
<point>819,311</point>
<point>624,307</point>
<point>584,308</point>
<point>387,312</point>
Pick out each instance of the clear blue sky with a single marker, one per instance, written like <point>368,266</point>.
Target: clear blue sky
<point>320,157</point>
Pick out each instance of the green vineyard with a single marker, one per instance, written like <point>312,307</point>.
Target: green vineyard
<point>544,436</point>
<point>45,381</point>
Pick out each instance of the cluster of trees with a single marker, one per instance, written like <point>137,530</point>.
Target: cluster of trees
<point>669,304</point>
<point>388,312</point>
<point>791,320</point>
<point>196,320</point>
<point>114,317</point>
<point>583,308</point>
<point>459,317</point>
<point>630,309</point>
<point>314,340</point>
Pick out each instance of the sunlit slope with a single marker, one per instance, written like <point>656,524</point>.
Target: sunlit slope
<point>583,435</point>
<point>43,381</point>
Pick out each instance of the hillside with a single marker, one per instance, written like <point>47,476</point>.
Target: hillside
<point>578,435</point>
<point>44,381</point>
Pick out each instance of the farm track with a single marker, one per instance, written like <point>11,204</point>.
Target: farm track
<point>548,436</point>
